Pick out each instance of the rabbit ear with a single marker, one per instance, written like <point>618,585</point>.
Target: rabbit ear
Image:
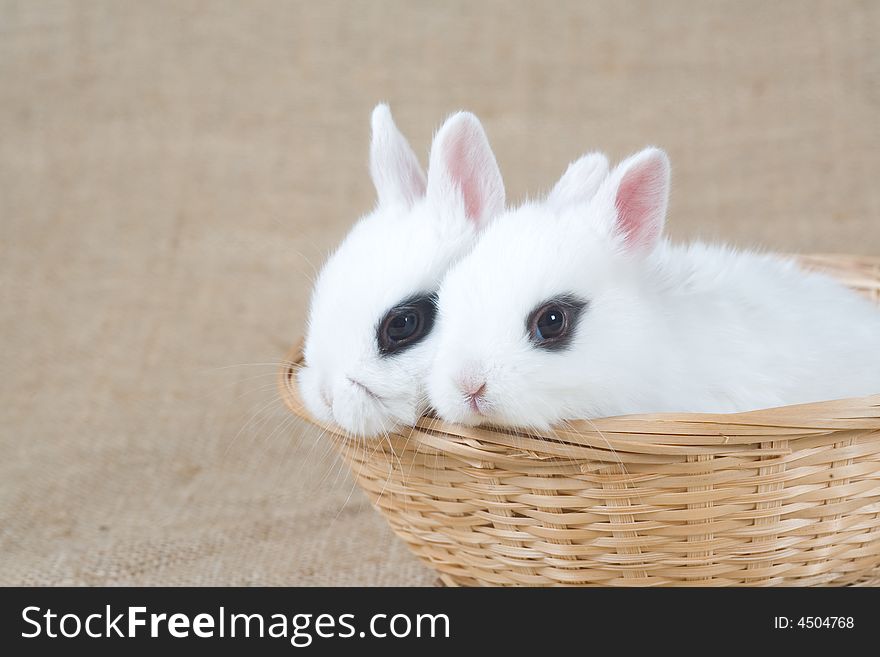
<point>395,169</point>
<point>462,171</point>
<point>639,187</point>
<point>580,181</point>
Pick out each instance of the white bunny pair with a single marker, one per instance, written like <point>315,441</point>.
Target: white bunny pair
<point>572,307</point>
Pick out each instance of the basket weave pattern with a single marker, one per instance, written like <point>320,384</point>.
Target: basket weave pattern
<point>784,496</point>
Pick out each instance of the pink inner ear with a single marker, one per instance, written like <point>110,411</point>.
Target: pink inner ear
<point>640,204</point>
<point>462,165</point>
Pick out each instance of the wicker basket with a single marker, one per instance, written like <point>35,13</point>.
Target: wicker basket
<point>783,496</point>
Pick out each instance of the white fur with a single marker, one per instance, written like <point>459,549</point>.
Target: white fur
<point>403,247</point>
<point>668,328</point>
<point>580,182</point>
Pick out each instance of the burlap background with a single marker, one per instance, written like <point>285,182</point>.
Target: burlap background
<point>170,171</point>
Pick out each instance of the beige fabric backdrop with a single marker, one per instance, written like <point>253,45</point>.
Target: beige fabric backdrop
<point>170,172</point>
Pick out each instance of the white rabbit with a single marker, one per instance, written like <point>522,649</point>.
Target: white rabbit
<point>368,341</point>
<point>574,309</point>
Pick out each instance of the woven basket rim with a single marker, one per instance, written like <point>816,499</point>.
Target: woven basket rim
<point>655,433</point>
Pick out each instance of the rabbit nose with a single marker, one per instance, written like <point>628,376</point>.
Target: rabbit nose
<point>475,390</point>
<point>363,387</point>
<point>326,397</point>
<point>474,393</point>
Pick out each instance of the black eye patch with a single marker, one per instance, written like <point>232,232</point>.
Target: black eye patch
<point>406,324</point>
<point>551,325</point>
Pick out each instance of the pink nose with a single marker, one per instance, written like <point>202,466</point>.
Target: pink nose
<point>474,393</point>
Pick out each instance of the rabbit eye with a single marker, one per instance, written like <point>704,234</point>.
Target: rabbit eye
<point>550,325</point>
<point>402,325</point>
<point>406,324</point>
